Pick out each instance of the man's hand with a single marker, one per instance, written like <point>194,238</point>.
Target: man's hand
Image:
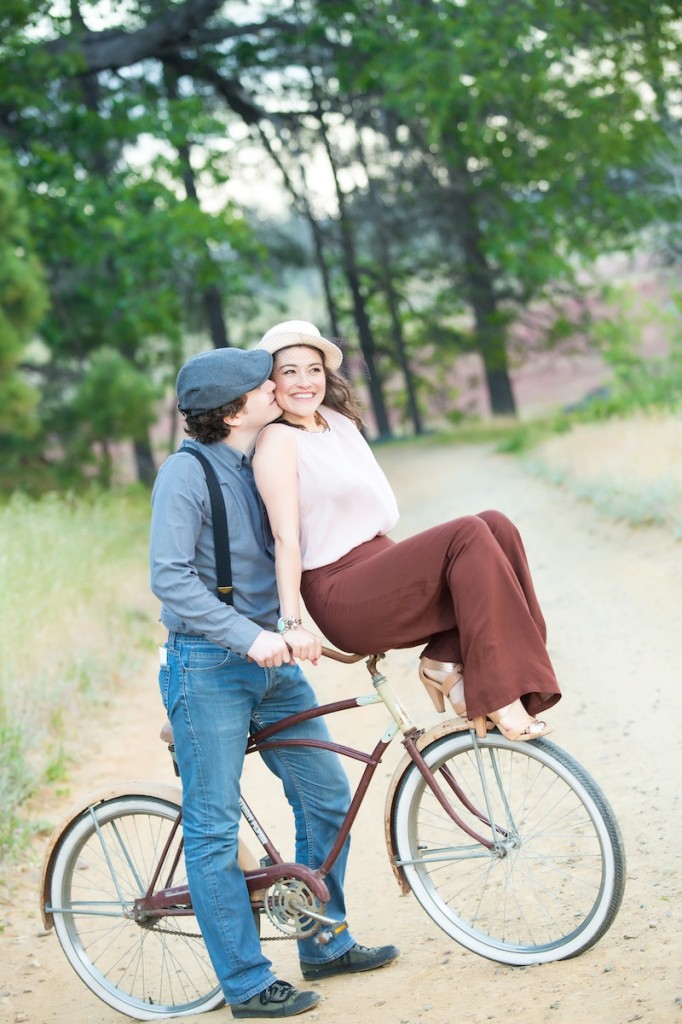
<point>269,650</point>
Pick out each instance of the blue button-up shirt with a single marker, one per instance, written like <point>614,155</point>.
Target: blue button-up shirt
<point>182,551</point>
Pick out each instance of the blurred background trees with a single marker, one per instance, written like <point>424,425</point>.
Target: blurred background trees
<point>417,177</point>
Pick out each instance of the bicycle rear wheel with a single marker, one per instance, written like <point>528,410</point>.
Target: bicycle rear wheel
<point>554,880</point>
<point>104,862</point>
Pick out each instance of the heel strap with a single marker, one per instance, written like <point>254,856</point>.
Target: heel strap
<point>442,666</point>
<point>454,670</point>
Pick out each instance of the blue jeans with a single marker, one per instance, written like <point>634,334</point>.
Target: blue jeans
<point>214,698</point>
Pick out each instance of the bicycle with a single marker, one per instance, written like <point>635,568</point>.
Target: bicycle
<point>510,847</point>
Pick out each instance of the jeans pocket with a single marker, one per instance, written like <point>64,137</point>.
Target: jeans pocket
<point>203,658</point>
<point>164,682</point>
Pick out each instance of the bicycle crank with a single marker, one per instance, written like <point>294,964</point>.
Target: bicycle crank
<point>294,908</point>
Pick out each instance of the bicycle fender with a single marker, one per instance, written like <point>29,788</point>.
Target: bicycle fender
<point>446,728</point>
<point>160,790</point>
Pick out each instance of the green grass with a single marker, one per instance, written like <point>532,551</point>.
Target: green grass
<point>75,615</point>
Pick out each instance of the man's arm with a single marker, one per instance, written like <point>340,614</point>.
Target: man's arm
<point>179,502</point>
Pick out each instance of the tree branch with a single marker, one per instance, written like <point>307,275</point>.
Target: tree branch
<point>111,49</point>
<point>228,89</point>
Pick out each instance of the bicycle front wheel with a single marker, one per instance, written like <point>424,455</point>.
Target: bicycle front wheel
<point>553,881</point>
<point>104,862</point>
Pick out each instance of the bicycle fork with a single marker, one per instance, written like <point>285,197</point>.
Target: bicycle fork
<point>411,735</point>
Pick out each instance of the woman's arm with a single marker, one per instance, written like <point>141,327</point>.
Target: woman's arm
<point>275,472</point>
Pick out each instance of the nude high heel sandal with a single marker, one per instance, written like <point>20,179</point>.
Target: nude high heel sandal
<point>506,720</point>
<point>443,679</point>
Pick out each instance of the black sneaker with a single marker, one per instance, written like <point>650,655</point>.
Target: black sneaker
<point>358,958</point>
<point>278,1000</point>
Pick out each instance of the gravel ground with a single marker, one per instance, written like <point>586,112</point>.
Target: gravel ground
<point>612,597</point>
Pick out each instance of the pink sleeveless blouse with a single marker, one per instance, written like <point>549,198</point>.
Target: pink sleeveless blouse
<point>344,497</point>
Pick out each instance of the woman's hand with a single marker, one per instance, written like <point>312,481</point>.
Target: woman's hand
<point>269,650</point>
<point>303,644</point>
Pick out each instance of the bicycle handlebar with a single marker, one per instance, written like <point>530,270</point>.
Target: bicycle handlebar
<point>347,659</point>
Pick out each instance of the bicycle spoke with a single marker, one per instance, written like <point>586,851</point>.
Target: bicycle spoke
<point>543,884</point>
<point>145,968</point>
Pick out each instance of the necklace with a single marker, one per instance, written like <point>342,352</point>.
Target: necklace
<point>321,425</point>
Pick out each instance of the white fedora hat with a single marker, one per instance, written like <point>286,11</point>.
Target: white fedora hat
<point>300,332</point>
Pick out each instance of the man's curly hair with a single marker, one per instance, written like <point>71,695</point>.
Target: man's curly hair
<point>209,427</point>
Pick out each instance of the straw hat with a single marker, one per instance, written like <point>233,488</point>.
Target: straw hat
<point>300,332</point>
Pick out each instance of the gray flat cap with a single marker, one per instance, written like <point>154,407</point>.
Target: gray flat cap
<point>215,378</point>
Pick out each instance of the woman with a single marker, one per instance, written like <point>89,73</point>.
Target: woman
<point>463,588</point>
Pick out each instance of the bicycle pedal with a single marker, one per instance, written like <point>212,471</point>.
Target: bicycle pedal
<point>327,935</point>
<point>171,751</point>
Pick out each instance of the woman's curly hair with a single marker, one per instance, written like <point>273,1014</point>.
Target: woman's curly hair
<point>341,397</point>
<point>339,394</point>
<point>209,427</point>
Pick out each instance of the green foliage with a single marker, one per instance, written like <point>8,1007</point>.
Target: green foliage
<point>543,166</point>
<point>508,148</point>
<point>16,784</point>
<point>114,399</point>
<point>521,437</point>
<point>639,381</point>
<point>23,300</point>
<point>127,251</point>
<point>534,134</point>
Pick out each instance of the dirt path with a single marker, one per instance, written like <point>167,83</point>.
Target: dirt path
<point>612,597</point>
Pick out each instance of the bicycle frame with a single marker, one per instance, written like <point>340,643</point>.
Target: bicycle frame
<point>176,901</point>
<point>510,848</point>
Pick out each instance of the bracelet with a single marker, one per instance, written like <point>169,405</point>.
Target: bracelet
<point>284,624</point>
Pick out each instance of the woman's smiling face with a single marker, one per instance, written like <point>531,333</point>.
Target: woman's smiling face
<point>300,382</point>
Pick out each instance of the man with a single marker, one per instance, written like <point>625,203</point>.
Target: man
<point>228,671</point>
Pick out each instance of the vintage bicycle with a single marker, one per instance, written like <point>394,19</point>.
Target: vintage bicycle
<point>510,847</point>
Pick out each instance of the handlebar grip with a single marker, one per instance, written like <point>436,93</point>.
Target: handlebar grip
<point>346,659</point>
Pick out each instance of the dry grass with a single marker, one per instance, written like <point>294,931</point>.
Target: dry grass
<point>75,614</point>
<point>71,573</point>
<point>630,469</point>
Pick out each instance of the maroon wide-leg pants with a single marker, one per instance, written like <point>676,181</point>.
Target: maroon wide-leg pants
<point>464,588</point>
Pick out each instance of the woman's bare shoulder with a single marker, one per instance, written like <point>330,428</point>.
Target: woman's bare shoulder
<point>275,435</point>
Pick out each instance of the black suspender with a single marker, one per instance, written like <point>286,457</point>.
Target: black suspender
<point>220,534</point>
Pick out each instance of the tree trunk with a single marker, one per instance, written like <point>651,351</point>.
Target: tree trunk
<point>144,461</point>
<point>392,299</point>
<point>211,298</point>
<point>300,201</point>
<point>408,376</point>
<point>213,304</point>
<point>490,328</point>
<point>491,340</point>
<point>352,273</point>
<point>323,267</point>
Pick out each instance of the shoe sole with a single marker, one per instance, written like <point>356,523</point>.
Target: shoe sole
<point>264,1014</point>
<point>327,972</point>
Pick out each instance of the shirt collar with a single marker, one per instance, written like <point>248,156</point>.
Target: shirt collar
<point>223,452</point>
